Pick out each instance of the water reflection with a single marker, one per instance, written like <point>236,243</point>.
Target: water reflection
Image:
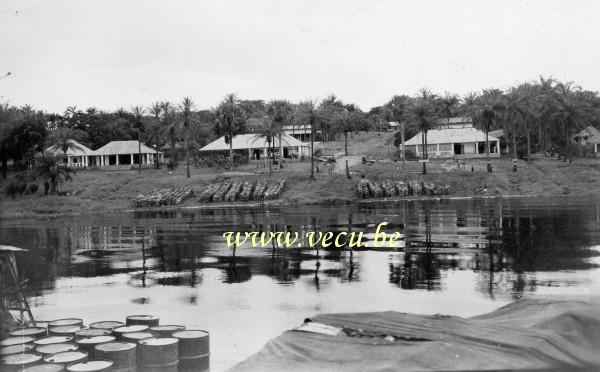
<point>504,242</point>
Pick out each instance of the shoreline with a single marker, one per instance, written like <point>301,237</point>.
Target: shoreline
<point>286,203</point>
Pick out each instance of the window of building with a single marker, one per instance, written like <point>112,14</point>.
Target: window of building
<point>445,147</point>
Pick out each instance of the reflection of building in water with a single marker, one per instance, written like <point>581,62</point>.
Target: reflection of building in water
<point>106,238</point>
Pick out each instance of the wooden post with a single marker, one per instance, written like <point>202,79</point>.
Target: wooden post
<point>402,139</point>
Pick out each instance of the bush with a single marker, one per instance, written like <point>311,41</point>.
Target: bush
<point>14,188</point>
<point>32,188</point>
<point>410,155</point>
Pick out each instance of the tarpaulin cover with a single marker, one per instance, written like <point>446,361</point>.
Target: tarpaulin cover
<point>545,333</point>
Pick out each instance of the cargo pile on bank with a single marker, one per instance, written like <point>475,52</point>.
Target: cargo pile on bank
<point>367,189</point>
<point>140,343</point>
<point>162,197</point>
<point>236,190</point>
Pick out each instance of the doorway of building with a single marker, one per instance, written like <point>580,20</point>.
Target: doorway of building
<point>458,149</point>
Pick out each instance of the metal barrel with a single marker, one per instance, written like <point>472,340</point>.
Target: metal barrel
<point>16,362</point>
<point>35,332</point>
<point>194,350</point>
<point>16,340</point>
<point>65,322</point>
<point>89,343</point>
<point>107,324</point>
<point>16,349</point>
<point>54,340</point>
<point>166,330</point>
<point>118,332</point>
<point>96,365</point>
<point>123,354</point>
<point>66,330</point>
<point>135,337</point>
<point>158,354</point>
<point>55,348</point>
<point>91,332</point>
<point>48,367</point>
<point>149,320</point>
<point>66,357</point>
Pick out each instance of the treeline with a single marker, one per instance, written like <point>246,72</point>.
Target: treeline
<point>534,115</point>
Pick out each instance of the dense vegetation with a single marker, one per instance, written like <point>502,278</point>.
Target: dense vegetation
<point>535,116</point>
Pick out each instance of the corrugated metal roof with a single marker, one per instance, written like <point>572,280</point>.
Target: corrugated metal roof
<point>251,141</point>
<point>122,147</point>
<point>81,150</point>
<point>451,135</point>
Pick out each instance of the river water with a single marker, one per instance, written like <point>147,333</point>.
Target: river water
<point>462,257</point>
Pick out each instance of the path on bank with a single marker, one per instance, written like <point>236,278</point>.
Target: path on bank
<point>340,163</point>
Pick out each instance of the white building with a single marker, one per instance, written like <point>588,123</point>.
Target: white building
<point>454,138</point>
<point>124,153</point>
<point>301,132</point>
<point>256,146</point>
<point>77,154</point>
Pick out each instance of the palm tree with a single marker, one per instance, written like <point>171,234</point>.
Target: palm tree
<point>423,116</point>
<point>448,104</point>
<point>309,114</point>
<point>153,127</point>
<point>280,113</point>
<point>515,110</point>
<point>398,106</point>
<point>231,120</point>
<point>346,122</point>
<point>49,168</point>
<point>64,139</point>
<point>188,121</point>
<point>571,111</point>
<point>487,110</point>
<point>170,126</point>
<point>138,114</point>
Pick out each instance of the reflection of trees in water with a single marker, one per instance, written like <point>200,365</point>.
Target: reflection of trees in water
<point>178,243</point>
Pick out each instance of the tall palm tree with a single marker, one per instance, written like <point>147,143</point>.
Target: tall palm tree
<point>280,113</point>
<point>346,122</point>
<point>231,120</point>
<point>169,124</point>
<point>487,110</point>
<point>571,111</point>
<point>515,110</point>
<point>138,114</point>
<point>188,121</point>
<point>154,127</point>
<point>398,106</point>
<point>423,116</point>
<point>311,115</point>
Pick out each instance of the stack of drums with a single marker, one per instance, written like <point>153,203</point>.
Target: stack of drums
<point>89,344</point>
<point>123,354</point>
<point>158,354</point>
<point>194,350</point>
<point>119,332</point>
<point>149,320</point>
<point>97,365</point>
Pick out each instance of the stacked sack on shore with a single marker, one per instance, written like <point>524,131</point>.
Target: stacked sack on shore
<point>236,190</point>
<point>388,188</point>
<point>162,197</point>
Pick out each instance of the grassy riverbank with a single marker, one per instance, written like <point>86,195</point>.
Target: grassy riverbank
<point>94,191</point>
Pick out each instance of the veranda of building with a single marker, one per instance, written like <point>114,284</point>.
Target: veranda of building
<point>123,153</point>
<point>454,138</point>
<point>256,147</point>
